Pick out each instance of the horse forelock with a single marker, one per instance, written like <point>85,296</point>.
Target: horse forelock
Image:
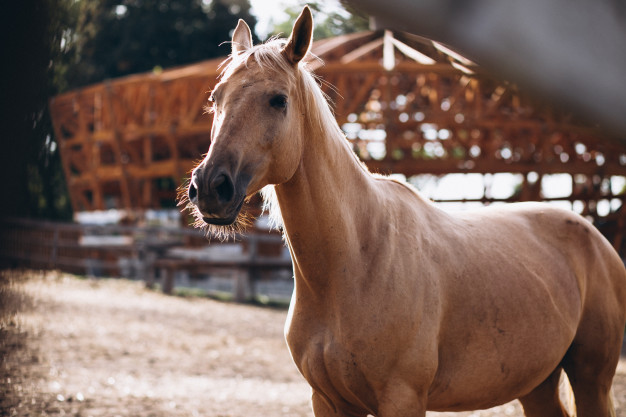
<point>267,56</point>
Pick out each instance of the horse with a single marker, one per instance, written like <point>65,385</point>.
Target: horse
<point>400,307</point>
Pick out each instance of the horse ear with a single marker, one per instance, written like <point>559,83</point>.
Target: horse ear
<point>242,38</point>
<point>301,37</point>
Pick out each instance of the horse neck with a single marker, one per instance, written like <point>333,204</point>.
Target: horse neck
<point>325,205</point>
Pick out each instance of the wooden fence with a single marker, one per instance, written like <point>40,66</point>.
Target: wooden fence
<point>146,253</point>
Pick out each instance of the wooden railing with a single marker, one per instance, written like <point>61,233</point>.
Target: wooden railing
<point>146,253</point>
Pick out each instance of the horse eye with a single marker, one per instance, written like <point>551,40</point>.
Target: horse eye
<point>211,98</point>
<point>279,101</point>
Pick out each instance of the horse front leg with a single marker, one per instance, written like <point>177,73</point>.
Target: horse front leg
<point>322,407</point>
<point>403,402</point>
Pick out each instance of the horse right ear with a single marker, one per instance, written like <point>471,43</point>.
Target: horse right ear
<point>301,37</point>
<point>242,38</point>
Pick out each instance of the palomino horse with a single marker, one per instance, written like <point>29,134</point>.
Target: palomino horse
<point>399,307</point>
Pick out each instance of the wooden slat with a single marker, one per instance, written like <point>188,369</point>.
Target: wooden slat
<point>121,157</point>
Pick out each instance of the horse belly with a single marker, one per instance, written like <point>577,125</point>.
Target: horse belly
<point>481,378</point>
<point>506,341</point>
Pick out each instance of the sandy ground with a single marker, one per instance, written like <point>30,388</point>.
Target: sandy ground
<point>76,347</point>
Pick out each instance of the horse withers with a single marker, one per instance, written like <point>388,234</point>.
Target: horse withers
<point>399,307</point>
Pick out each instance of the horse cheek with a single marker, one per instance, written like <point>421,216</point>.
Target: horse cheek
<point>286,157</point>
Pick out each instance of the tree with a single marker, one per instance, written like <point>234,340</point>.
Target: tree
<point>33,184</point>
<point>119,37</point>
<point>327,23</point>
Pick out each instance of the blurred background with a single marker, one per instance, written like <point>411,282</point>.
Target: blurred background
<point>95,141</point>
<point>101,109</point>
<point>103,119</point>
<point>50,47</point>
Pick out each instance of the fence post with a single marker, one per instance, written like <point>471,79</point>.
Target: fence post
<point>55,246</point>
<point>244,280</point>
<point>167,280</point>
<point>253,270</point>
<point>242,285</point>
<point>147,267</point>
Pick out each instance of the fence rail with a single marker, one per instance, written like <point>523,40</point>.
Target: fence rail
<point>147,253</point>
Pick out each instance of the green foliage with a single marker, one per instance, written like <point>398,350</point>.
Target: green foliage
<point>327,23</point>
<point>119,37</point>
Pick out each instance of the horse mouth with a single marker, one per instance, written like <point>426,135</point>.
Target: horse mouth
<point>218,221</point>
<point>224,220</point>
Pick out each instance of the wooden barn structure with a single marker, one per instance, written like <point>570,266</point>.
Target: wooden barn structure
<point>408,105</point>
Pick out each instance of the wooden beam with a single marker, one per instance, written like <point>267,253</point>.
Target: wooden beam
<point>119,149</point>
<point>361,51</point>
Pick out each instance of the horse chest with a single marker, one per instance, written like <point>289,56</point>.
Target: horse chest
<point>336,370</point>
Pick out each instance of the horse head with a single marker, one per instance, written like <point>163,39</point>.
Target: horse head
<point>257,126</point>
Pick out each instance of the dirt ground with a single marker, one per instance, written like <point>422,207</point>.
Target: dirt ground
<point>78,347</point>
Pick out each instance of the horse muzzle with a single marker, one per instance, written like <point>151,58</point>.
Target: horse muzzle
<point>217,195</point>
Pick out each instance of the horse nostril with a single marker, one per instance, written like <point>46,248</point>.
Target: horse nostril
<point>224,188</point>
<point>193,193</point>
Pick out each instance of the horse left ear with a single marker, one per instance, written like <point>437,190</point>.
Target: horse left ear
<point>242,38</point>
<point>301,37</point>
